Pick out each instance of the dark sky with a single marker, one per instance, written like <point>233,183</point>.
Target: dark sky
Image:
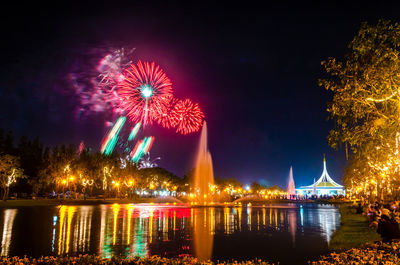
<point>252,68</point>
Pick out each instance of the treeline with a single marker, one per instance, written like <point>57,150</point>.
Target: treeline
<point>65,170</point>
<point>29,168</point>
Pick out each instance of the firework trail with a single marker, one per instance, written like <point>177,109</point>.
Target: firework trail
<point>81,148</point>
<point>134,131</point>
<point>142,147</point>
<point>148,143</point>
<point>143,91</point>
<point>112,137</point>
<point>136,152</point>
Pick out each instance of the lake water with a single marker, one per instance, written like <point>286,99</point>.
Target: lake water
<point>288,233</point>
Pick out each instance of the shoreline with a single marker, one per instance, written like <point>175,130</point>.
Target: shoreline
<point>166,201</point>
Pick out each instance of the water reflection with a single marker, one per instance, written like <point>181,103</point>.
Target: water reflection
<point>9,216</point>
<point>292,219</point>
<point>328,224</point>
<point>144,230</point>
<point>74,229</point>
<point>203,233</point>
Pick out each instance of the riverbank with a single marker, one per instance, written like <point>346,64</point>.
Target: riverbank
<point>354,230</point>
<point>379,253</point>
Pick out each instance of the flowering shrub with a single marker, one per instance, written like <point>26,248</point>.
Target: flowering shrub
<point>377,253</point>
<point>94,260</point>
<point>371,254</point>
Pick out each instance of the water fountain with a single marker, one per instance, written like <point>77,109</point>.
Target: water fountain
<point>291,190</point>
<point>203,180</point>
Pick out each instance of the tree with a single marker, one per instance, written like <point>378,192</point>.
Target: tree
<point>366,100</point>
<point>31,159</point>
<point>57,167</point>
<point>8,144</point>
<point>10,171</point>
<point>256,187</point>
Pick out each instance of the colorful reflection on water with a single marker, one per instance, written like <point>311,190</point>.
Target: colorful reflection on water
<point>239,232</point>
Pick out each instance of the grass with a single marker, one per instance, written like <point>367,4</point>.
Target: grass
<point>354,230</point>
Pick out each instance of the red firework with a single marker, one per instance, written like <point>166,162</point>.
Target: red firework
<point>167,116</point>
<point>189,116</point>
<point>143,91</point>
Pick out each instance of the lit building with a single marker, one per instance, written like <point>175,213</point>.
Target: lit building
<point>325,185</point>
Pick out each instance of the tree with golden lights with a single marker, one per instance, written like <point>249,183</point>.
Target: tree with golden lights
<point>366,109</point>
<point>10,171</point>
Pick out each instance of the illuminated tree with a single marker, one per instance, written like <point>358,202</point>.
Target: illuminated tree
<point>10,171</point>
<point>366,101</point>
<point>53,173</point>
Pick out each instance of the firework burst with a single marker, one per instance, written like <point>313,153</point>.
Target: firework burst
<point>95,83</point>
<point>167,116</point>
<point>147,162</point>
<point>143,91</point>
<point>189,116</point>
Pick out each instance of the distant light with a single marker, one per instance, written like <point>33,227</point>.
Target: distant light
<point>147,91</point>
<point>247,187</point>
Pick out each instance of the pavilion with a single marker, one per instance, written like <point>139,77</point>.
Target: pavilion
<point>324,186</point>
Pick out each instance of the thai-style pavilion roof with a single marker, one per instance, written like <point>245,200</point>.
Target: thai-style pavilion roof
<point>325,181</point>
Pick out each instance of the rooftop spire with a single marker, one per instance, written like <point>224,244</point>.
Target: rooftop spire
<point>325,178</point>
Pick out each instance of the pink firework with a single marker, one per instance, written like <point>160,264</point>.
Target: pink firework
<point>143,91</point>
<point>189,116</point>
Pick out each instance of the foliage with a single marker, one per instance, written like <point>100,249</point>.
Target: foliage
<point>92,259</point>
<point>10,171</point>
<point>378,253</point>
<point>366,105</point>
<point>62,170</point>
<point>226,182</point>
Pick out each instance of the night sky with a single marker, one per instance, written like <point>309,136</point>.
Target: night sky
<point>253,69</point>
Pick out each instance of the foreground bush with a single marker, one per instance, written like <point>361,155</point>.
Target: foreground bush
<point>378,253</point>
<point>93,259</point>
